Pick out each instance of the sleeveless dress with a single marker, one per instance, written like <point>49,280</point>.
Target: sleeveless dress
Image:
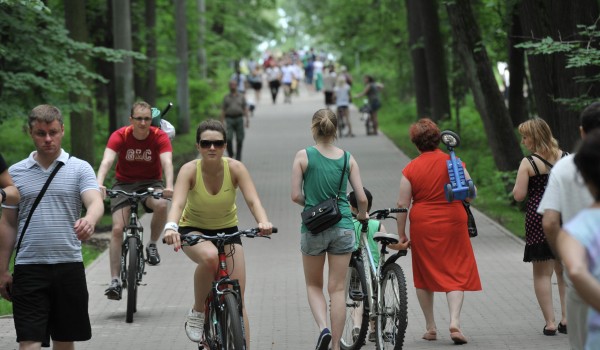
<point>536,245</point>
<point>442,255</point>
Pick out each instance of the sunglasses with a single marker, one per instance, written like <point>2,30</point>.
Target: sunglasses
<point>140,119</point>
<point>215,143</point>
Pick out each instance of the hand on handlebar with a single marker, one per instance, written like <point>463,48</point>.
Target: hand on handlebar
<point>362,217</point>
<point>266,228</point>
<point>167,193</point>
<point>172,237</point>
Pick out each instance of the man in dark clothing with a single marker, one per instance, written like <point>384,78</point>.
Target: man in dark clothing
<point>234,115</point>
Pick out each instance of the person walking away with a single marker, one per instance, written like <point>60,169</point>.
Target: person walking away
<point>274,78</point>
<point>316,174</point>
<point>143,152</point>
<point>48,289</point>
<point>563,199</point>
<point>342,101</point>
<point>579,240</point>
<point>234,114</point>
<point>329,81</point>
<point>256,82</point>
<point>240,79</point>
<point>9,194</point>
<point>372,92</point>
<point>287,75</point>
<point>318,74</point>
<point>204,202</point>
<point>442,255</point>
<point>532,178</point>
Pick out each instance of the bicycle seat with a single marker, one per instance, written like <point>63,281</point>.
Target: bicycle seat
<point>385,238</point>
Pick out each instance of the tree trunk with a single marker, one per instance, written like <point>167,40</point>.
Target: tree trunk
<point>488,99</point>
<point>183,102</point>
<point>82,121</point>
<point>124,69</point>
<point>516,68</point>
<point>150,92</point>
<point>549,77</point>
<point>417,53</point>
<point>202,64</point>
<point>434,58</point>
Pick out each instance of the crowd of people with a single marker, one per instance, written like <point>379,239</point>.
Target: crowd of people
<point>48,288</point>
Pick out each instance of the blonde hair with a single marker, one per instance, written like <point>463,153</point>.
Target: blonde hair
<point>541,137</point>
<point>324,124</point>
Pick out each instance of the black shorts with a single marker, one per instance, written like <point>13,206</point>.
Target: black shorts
<point>235,240</point>
<point>329,98</point>
<point>51,301</point>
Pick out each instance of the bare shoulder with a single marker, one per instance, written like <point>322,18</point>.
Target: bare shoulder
<point>235,166</point>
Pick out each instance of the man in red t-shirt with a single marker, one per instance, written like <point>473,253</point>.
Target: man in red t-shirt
<point>143,152</point>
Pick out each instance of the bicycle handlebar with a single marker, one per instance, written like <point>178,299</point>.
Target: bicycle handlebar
<point>385,213</point>
<point>135,195</point>
<point>190,239</point>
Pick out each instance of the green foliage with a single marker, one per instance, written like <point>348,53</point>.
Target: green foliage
<point>580,53</point>
<point>44,69</point>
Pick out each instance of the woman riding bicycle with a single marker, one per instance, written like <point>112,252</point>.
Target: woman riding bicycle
<point>316,174</point>
<point>204,202</point>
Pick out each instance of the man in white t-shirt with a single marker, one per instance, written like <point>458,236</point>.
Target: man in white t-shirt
<point>565,195</point>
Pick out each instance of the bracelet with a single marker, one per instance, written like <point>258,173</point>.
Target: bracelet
<point>171,226</point>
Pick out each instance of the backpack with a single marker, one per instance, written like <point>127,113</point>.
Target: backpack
<point>161,123</point>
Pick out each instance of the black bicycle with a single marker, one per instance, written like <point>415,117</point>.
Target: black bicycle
<point>376,292</point>
<point>132,250</point>
<point>365,109</point>
<point>224,319</point>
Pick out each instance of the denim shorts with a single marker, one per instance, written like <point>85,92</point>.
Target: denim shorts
<point>334,240</point>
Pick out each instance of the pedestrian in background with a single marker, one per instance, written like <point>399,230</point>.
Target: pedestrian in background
<point>442,255</point>
<point>316,174</point>
<point>531,181</point>
<point>234,114</point>
<point>565,196</point>
<point>48,289</point>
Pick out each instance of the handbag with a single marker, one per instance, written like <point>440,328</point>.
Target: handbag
<point>470,220</point>
<point>325,214</point>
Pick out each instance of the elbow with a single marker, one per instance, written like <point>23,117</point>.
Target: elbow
<point>518,196</point>
<point>296,198</point>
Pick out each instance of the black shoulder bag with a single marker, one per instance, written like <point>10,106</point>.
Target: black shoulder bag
<point>325,214</point>
<point>35,204</point>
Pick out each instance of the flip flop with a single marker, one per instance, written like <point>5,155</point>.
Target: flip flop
<point>457,337</point>
<point>430,335</point>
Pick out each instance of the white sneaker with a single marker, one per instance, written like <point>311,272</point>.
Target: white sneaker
<point>194,325</point>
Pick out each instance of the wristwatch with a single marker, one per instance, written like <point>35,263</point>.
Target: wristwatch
<point>3,195</point>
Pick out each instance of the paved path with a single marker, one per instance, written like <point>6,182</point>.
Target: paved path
<point>505,315</point>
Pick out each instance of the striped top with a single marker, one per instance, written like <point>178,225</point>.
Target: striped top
<point>50,236</point>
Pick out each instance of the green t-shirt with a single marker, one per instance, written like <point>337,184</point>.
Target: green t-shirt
<point>374,226</point>
<point>322,180</point>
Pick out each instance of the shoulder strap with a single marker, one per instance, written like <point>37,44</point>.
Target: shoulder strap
<point>36,202</point>
<point>535,168</point>
<point>564,154</point>
<point>343,172</point>
<point>543,160</point>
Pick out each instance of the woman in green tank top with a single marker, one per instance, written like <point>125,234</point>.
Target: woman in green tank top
<point>316,174</point>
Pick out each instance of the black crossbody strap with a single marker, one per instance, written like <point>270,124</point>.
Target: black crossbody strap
<point>343,172</point>
<point>35,204</point>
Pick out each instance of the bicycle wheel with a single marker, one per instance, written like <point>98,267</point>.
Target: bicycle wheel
<point>357,316</point>
<point>392,318</point>
<point>231,324</point>
<point>132,266</point>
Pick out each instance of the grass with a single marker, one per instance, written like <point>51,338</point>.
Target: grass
<point>493,187</point>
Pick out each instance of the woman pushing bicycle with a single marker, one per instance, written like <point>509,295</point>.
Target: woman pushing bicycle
<point>320,172</point>
<point>204,202</point>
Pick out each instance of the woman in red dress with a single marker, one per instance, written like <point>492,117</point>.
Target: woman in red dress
<point>442,255</point>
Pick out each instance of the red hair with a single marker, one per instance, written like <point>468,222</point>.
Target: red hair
<point>425,134</point>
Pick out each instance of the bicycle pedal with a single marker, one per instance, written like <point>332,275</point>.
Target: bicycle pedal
<point>356,295</point>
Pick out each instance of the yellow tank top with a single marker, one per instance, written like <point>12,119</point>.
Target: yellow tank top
<point>212,212</point>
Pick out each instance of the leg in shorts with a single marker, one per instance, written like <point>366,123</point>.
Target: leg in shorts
<point>334,240</point>
<point>120,202</point>
<point>51,301</point>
